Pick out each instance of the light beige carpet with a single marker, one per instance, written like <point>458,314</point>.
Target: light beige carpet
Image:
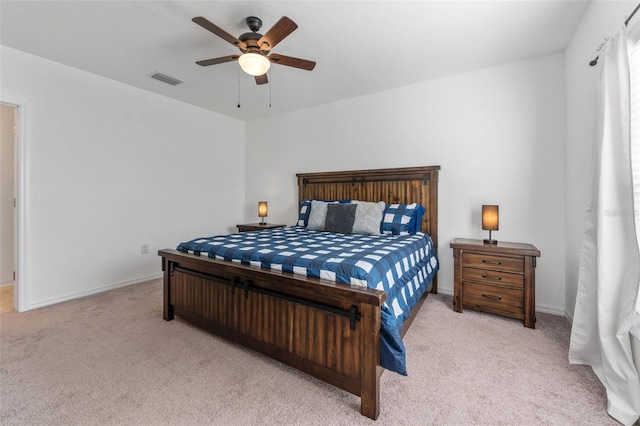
<point>111,359</point>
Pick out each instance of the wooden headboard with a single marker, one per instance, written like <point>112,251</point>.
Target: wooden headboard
<point>401,185</point>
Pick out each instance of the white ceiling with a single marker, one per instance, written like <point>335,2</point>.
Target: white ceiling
<point>361,47</point>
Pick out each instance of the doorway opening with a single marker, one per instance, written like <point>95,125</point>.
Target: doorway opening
<point>9,220</point>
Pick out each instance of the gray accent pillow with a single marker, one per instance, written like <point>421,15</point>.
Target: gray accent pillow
<point>317,215</point>
<point>340,218</point>
<point>368,217</point>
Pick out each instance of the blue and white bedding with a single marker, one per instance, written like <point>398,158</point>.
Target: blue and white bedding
<point>401,265</point>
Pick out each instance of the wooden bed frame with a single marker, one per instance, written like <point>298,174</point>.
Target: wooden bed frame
<point>326,329</point>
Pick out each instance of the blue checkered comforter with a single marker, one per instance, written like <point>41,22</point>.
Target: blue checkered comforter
<point>401,265</point>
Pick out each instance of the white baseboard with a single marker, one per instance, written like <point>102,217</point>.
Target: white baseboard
<point>445,291</point>
<point>553,310</point>
<point>6,282</point>
<point>72,296</point>
<point>569,316</point>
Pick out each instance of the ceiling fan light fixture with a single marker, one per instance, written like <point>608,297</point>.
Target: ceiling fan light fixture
<point>254,63</point>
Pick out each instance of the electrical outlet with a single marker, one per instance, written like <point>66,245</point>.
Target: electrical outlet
<point>144,249</point>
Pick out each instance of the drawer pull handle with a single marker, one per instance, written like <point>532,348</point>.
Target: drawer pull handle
<point>489,277</point>
<point>488,296</point>
<point>493,262</point>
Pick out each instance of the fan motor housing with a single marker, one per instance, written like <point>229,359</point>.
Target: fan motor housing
<point>249,37</point>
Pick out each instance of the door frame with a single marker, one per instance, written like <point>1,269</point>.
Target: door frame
<point>20,291</point>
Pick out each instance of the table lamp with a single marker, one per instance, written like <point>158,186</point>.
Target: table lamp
<point>490,219</point>
<point>262,211</point>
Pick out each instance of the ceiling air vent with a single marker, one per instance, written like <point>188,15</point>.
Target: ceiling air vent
<point>166,79</point>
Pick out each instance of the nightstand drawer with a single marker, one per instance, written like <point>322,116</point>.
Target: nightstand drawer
<point>492,277</point>
<point>487,261</point>
<point>502,301</point>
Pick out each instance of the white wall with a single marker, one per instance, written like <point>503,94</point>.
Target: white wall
<point>600,20</point>
<point>6,194</point>
<point>110,167</point>
<point>498,134</point>
<point>105,173</point>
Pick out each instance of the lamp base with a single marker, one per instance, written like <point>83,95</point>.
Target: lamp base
<point>492,242</point>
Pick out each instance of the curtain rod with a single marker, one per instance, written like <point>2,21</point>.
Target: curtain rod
<point>632,13</point>
<point>626,23</point>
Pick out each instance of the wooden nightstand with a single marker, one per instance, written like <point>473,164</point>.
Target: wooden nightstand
<point>499,278</point>
<point>258,226</point>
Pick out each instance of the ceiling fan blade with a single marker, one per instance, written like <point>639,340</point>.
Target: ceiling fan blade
<point>277,33</point>
<point>210,26</point>
<point>289,61</point>
<point>262,79</point>
<point>214,61</point>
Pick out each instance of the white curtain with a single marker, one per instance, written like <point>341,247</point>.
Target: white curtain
<point>609,273</point>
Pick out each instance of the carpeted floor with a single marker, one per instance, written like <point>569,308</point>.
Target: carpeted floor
<point>111,359</point>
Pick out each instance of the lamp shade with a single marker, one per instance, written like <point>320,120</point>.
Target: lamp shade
<point>262,209</point>
<point>490,218</point>
<point>254,63</point>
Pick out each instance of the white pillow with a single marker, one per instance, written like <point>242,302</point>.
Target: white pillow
<point>318,215</point>
<point>368,217</point>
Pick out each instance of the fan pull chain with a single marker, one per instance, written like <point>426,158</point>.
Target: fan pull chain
<point>270,84</point>
<point>238,85</point>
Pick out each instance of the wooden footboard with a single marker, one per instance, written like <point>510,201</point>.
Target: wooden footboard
<point>330,331</point>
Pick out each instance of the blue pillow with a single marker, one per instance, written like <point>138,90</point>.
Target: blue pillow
<point>401,219</point>
<point>305,208</point>
<point>303,212</point>
<point>416,220</point>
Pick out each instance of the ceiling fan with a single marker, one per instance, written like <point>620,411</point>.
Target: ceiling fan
<point>256,57</point>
